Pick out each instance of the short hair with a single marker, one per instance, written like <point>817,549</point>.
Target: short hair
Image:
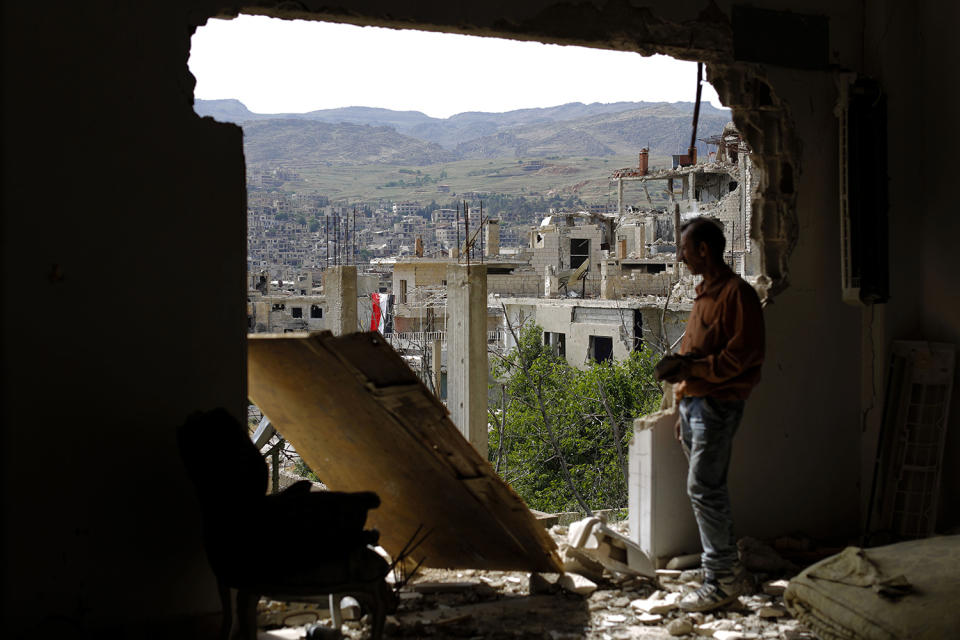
<point>701,229</point>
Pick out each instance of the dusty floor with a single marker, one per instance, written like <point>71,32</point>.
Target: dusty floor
<point>495,604</point>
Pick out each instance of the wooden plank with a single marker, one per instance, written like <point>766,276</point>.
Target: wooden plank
<point>363,422</point>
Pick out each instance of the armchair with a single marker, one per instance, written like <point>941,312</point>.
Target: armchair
<point>321,546</point>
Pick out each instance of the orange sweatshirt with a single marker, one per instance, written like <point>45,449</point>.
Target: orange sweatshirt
<point>725,332</point>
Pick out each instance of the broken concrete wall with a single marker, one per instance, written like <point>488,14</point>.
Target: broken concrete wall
<point>632,284</point>
<point>579,322</point>
<point>661,325</point>
<point>515,284</point>
<point>418,274</point>
<point>103,402</point>
<point>546,249</point>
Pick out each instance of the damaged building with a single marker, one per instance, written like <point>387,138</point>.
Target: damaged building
<point>118,549</point>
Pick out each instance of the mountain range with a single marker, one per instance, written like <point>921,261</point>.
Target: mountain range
<point>367,135</point>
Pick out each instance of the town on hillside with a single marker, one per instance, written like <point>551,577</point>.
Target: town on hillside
<point>610,266</point>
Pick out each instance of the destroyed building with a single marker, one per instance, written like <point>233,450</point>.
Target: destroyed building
<point>117,548</point>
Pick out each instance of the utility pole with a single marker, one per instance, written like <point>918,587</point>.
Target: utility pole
<point>481,232</point>
<point>466,230</point>
<point>676,240</point>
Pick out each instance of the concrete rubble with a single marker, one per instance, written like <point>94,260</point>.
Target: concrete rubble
<point>465,603</point>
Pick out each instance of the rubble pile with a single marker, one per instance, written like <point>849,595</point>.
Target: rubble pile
<point>589,601</point>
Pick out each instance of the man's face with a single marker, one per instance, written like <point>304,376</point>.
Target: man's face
<point>692,256</point>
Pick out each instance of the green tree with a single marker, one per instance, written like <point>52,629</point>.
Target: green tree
<point>559,434</point>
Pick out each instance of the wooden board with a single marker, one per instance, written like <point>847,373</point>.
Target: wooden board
<point>363,421</point>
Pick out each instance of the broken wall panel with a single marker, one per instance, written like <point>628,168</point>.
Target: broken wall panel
<point>364,422</point>
<point>661,520</point>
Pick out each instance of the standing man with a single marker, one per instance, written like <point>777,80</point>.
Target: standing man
<point>718,365</point>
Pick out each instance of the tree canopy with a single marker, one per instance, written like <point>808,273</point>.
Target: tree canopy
<point>559,434</point>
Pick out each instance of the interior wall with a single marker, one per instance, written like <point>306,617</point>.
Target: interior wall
<point>126,212</point>
<point>795,463</point>
<point>923,303</point>
<point>941,230</point>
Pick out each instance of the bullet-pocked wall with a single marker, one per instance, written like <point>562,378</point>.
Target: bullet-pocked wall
<point>107,168</point>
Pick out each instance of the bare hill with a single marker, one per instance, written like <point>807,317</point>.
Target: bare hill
<point>412,138</point>
<point>303,142</point>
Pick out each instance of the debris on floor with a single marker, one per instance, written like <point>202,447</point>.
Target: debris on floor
<point>465,603</point>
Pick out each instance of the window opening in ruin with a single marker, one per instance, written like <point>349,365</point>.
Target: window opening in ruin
<point>579,252</point>
<point>557,342</point>
<point>278,201</point>
<point>601,348</point>
<point>637,329</point>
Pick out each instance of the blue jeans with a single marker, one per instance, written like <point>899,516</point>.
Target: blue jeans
<point>707,427</point>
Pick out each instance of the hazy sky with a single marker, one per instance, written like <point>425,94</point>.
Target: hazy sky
<point>275,66</point>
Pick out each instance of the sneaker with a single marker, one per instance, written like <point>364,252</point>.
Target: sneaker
<point>715,593</point>
<point>698,575</point>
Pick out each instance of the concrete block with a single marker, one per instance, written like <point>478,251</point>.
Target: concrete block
<point>579,532</point>
<point>577,561</point>
<point>618,553</point>
<point>575,583</point>
<point>774,611</point>
<point>657,605</point>
<point>775,587</point>
<point>680,627</point>
<point>546,519</point>
<point>649,618</point>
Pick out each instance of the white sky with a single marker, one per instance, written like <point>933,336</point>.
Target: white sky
<point>283,66</point>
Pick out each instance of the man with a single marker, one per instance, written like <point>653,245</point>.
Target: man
<point>718,365</point>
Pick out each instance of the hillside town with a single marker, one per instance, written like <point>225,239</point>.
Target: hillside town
<point>612,267</point>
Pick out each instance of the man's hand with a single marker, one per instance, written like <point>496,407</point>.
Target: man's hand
<point>673,368</point>
<point>678,427</point>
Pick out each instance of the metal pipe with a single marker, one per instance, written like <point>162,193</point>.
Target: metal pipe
<point>692,150</point>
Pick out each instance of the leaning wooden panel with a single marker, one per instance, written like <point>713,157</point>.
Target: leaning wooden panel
<point>364,422</point>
